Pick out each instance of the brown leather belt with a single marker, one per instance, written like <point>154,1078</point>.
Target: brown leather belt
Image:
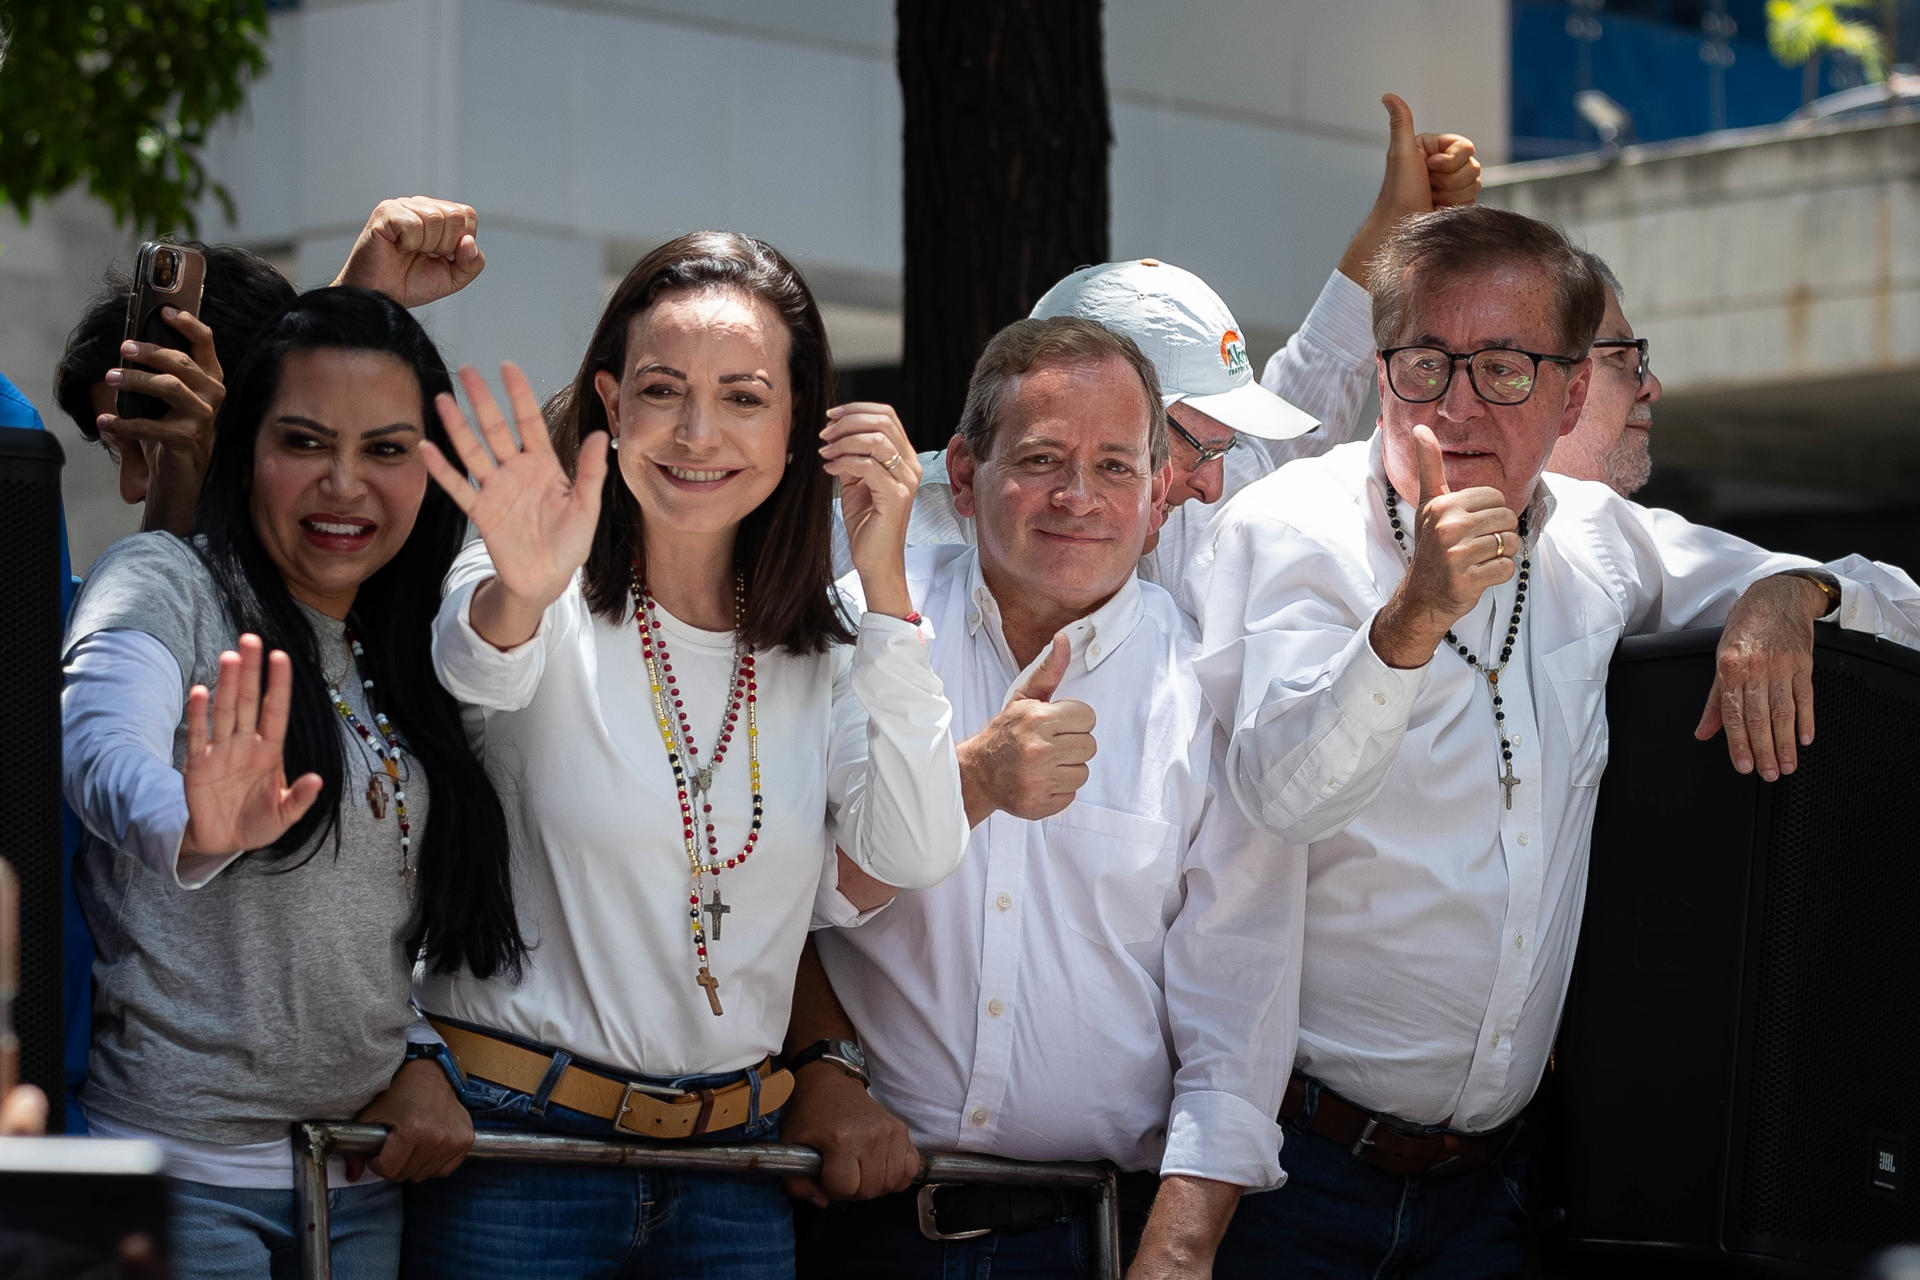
<point>1387,1143</point>
<point>641,1109</point>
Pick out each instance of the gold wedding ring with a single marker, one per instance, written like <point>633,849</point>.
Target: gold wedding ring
<point>1499,543</point>
<point>892,462</point>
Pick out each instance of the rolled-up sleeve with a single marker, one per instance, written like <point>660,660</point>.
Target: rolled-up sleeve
<point>1233,998</point>
<point>893,785</point>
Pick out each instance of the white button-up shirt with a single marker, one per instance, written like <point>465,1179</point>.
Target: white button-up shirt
<point>1440,924</point>
<point>1324,369</point>
<point>1115,981</point>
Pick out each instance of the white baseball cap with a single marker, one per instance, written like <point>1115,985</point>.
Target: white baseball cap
<point>1186,330</point>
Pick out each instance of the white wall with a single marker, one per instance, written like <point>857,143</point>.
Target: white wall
<point>1248,143</point>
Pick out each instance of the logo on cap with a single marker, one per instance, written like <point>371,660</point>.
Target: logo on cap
<point>1233,353</point>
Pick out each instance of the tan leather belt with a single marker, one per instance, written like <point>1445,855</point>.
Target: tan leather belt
<point>1386,1143</point>
<point>640,1109</point>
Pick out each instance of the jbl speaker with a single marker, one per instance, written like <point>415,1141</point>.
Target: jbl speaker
<point>30,625</point>
<point>1738,1070</point>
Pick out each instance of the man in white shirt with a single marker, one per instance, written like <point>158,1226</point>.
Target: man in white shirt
<point>1611,441</point>
<point>1105,978</point>
<point>1228,429</point>
<point>1409,639</point>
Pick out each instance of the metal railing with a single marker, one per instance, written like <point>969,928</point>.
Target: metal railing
<point>315,1140</point>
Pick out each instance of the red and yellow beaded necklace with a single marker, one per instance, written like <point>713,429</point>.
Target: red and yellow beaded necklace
<point>692,781</point>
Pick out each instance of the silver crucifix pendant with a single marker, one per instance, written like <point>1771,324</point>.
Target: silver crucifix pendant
<point>1509,782</point>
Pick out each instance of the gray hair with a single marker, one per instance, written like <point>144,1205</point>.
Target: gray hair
<point>1069,340</point>
<point>1599,267</point>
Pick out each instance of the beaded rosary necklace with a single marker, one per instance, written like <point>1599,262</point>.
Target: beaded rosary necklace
<point>1491,674</point>
<point>390,757</point>
<point>693,781</point>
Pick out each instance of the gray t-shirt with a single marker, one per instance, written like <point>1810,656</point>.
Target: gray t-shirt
<point>274,992</point>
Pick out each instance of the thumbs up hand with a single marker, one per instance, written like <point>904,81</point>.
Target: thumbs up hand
<point>1031,759</point>
<point>1464,542</point>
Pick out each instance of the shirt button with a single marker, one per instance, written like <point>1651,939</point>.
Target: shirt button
<point>978,1118</point>
<point>1519,942</point>
<point>996,1007</point>
<point>1522,837</point>
<point>1093,651</point>
<point>1496,1044</point>
<point>973,619</point>
<point>1004,901</point>
<point>1514,739</point>
<point>1380,698</point>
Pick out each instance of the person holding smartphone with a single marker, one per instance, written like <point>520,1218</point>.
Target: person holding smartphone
<point>150,396</point>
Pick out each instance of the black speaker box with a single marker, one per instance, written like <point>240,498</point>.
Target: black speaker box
<point>1737,1078</point>
<point>30,626</point>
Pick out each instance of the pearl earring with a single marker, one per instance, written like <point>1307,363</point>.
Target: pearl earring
<point>613,441</point>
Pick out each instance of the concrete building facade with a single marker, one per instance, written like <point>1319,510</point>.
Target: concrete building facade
<point>1248,143</point>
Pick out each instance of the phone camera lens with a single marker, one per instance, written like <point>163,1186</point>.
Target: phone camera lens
<point>166,269</point>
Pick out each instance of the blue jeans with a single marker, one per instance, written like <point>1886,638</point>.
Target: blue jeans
<point>509,1221</point>
<point>1338,1219</point>
<point>252,1233</point>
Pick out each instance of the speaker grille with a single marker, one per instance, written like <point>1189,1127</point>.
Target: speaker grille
<point>30,738</point>
<point>1835,1046</point>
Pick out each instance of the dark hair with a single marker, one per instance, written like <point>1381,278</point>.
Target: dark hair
<point>1069,340</point>
<point>784,547</point>
<point>243,291</point>
<point>1427,251</point>
<point>465,914</point>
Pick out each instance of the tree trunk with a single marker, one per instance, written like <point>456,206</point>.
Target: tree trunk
<point>1006,139</point>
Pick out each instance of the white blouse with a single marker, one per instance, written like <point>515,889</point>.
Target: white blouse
<point>855,749</point>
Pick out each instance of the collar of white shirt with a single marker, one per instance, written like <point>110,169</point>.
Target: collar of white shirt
<point>1093,638</point>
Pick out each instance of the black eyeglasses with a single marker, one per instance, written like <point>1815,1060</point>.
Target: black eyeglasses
<point>1498,375</point>
<point>1642,369</point>
<point>1207,452</point>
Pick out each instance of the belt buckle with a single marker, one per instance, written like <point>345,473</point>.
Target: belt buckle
<point>929,1223</point>
<point>626,1099</point>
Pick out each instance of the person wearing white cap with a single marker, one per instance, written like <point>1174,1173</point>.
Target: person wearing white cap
<point>1228,428</point>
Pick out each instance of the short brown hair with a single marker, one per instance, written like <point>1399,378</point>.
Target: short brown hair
<point>784,549</point>
<point>1069,340</point>
<point>1425,252</point>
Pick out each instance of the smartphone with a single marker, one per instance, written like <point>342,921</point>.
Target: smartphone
<point>165,275</point>
<point>9,976</point>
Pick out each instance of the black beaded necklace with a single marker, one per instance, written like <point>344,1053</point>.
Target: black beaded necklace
<point>1491,674</point>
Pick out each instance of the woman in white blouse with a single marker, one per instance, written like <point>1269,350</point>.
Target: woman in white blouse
<point>689,734</point>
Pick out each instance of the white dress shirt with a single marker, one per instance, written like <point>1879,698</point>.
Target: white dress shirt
<point>1440,924</point>
<point>1112,982</point>
<point>854,748</point>
<point>1325,369</point>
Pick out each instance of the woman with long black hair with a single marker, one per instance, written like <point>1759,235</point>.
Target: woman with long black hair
<point>257,936</point>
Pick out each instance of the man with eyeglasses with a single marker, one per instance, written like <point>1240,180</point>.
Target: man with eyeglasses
<point>1611,443</point>
<point>1408,639</point>
<point>1229,429</point>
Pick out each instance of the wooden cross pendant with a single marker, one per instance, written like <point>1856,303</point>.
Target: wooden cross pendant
<point>712,984</point>
<point>716,909</point>
<point>1509,782</point>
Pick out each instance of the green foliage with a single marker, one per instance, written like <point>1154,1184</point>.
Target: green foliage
<point>1799,31</point>
<point>121,94</point>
